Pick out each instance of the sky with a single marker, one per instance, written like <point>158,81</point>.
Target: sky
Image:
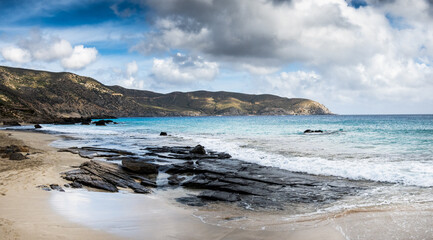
<point>353,56</point>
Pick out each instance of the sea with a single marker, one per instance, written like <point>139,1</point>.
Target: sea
<point>386,148</point>
<point>395,152</point>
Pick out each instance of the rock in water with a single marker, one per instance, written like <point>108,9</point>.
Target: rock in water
<point>17,156</point>
<point>38,126</point>
<point>163,134</point>
<point>313,131</point>
<point>56,187</point>
<point>199,149</point>
<point>100,123</point>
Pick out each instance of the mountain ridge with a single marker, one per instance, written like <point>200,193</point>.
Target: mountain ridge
<point>42,96</point>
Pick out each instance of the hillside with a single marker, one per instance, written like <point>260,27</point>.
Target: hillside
<point>40,96</point>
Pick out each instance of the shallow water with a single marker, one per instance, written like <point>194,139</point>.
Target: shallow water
<point>396,149</point>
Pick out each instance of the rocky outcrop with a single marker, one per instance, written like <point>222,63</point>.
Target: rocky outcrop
<point>215,175</point>
<point>106,176</point>
<point>14,152</point>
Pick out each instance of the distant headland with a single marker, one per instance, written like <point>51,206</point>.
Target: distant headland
<point>39,96</point>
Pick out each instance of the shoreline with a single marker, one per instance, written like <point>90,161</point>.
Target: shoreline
<point>29,212</point>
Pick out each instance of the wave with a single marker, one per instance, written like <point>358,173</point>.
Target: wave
<point>373,168</point>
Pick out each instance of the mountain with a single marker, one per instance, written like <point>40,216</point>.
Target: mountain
<point>40,96</point>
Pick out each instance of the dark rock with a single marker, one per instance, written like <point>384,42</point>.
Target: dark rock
<point>219,196</point>
<point>313,131</point>
<point>105,176</point>
<point>92,152</point>
<point>163,134</point>
<point>175,179</point>
<point>38,126</point>
<point>11,123</point>
<point>56,187</point>
<point>66,185</point>
<point>91,180</point>
<point>85,123</point>
<point>139,166</point>
<point>100,123</point>
<point>44,187</point>
<point>199,149</point>
<point>224,155</point>
<point>255,186</point>
<point>191,201</point>
<point>148,183</point>
<point>76,185</point>
<point>17,156</point>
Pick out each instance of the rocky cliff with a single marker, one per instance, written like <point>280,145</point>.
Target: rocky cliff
<point>40,96</point>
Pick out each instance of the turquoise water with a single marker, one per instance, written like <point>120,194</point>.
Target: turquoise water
<point>395,148</point>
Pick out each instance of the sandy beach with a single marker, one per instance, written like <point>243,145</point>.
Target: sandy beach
<point>27,212</point>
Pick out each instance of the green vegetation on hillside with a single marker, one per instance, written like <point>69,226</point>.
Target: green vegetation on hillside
<point>40,96</point>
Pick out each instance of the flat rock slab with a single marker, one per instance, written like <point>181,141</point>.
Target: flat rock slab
<point>250,185</point>
<point>215,175</point>
<point>103,175</point>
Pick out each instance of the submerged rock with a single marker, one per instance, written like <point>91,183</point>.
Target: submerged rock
<point>313,131</point>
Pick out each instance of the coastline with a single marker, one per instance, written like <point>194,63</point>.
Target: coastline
<point>31,213</point>
<point>25,210</point>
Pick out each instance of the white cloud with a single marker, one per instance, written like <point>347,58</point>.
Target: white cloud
<point>80,57</point>
<point>54,50</point>
<point>131,68</point>
<point>382,52</point>
<point>15,54</point>
<point>182,69</point>
<point>129,76</point>
<point>38,48</point>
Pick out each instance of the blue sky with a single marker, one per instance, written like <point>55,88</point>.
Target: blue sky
<point>354,56</point>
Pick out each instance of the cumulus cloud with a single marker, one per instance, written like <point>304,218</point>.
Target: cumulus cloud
<point>181,69</point>
<point>130,75</point>
<point>46,48</point>
<point>378,49</point>
<point>15,54</point>
<point>49,49</point>
<point>80,57</point>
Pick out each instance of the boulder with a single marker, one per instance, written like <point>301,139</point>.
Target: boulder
<point>56,187</point>
<point>76,185</point>
<point>139,166</point>
<point>163,134</point>
<point>100,123</point>
<point>38,126</point>
<point>17,156</point>
<point>199,149</point>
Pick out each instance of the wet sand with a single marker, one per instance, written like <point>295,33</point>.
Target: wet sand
<point>27,212</point>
